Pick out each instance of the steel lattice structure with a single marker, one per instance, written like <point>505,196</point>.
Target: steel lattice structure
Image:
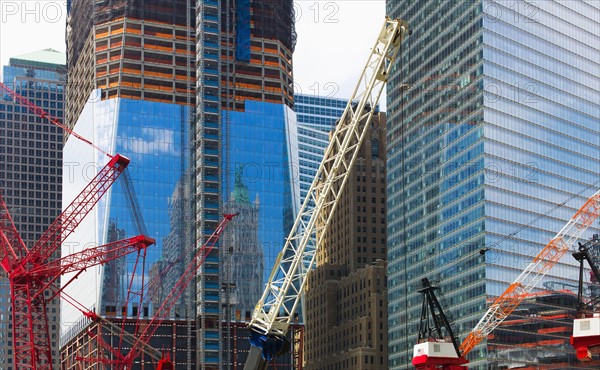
<point>516,292</point>
<point>275,310</point>
<point>32,272</point>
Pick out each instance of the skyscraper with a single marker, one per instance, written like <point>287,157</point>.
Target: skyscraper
<point>192,92</point>
<point>346,295</point>
<point>316,116</point>
<point>31,168</point>
<point>490,152</point>
<point>245,136</point>
<point>131,91</point>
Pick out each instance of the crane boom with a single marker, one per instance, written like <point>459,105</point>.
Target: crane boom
<point>185,279</point>
<point>72,215</point>
<point>516,292</point>
<point>31,274</point>
<point>90,257</point>
<point>139,343</point>
<point>275,310</point>
<point>12,246</point>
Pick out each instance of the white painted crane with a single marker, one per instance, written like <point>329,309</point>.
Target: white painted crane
<point>279,302</point>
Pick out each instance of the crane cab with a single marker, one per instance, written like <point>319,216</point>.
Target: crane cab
<point>436,355</point>
<point>586,337</point>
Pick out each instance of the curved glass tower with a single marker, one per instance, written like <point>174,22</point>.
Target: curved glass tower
<point>199,95</point>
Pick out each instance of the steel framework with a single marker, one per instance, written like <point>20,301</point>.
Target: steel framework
<point>516,292</point>
<point>32,272</point>
<point>275,310</point>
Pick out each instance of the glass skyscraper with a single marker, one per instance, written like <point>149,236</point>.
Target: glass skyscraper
<point>198,94</point>
<point>131,84</point>
<point>31,169</point>
<point>316,117</point>
<point>152,135</point>
<point>491,151</point>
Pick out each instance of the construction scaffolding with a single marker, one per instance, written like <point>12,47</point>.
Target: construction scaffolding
<point>258,39</point>
<point>274,19</point>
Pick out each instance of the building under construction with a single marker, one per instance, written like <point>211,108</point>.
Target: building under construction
<point>159,71</point>
<point>80,349</point>
<point>135,77</point>
<point>133,49</point>
<point>131,90</point>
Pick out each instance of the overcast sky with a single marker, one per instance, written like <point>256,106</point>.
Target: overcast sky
<point>334,38</point>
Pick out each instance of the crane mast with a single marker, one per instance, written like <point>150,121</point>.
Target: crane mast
<point>275,310</point>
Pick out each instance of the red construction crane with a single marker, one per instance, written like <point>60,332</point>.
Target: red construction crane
<point>139,342</point>
<point>31,271</point>
<point>443,354</point>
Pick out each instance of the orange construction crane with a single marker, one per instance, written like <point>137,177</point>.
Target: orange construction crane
<point>442,354</point>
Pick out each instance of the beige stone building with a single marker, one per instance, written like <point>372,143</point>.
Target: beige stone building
<point>346,294</point>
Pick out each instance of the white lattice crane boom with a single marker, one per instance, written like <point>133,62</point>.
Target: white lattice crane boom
<point>275,310</point>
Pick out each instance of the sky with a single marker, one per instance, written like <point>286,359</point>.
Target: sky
<point>334,38</point>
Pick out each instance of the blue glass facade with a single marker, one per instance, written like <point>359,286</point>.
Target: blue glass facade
<point>316,118</point>
<point>318,111</point>
<point>490,153</point>
<point>262,144</point>
<point>153,136</point>
<point>542,112</point>
<point>10,72</point>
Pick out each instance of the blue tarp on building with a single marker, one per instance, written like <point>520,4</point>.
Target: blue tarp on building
<point>242,31</point>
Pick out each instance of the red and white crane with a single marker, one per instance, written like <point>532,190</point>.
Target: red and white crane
<point>31,272</point>
<point>586,326</point>
<point>436,343</point>
<point>425,357</point>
